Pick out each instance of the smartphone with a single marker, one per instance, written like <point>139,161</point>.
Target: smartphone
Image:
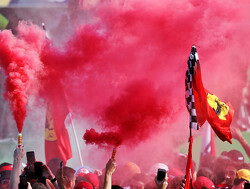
<point>30,158</point>
<point>38,169</point>
<point>247,185</point>
<point>161,174</point>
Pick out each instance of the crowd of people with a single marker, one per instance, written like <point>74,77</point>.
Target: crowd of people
<point>229,170</point>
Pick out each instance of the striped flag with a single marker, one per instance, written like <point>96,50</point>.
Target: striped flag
<point>193,106</point>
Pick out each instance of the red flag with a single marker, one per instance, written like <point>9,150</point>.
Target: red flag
<point>189,168</point>
<point>209,107</point>
<point>57,143</point>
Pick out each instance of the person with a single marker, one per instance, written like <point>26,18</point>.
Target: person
<point>38,185</point>
<point>5,171</point>
<point>162,184</point>
<point>85,185</point>
<point>203,182</point>
<point>110,169</point>
<point>14,177</point>
<point>128,171</point>
<point>66,178</point>
<point>224,172</point>
<point>237,135</point>
<point>54,165</point>
<point>242,176</point>
<point>205,172</point>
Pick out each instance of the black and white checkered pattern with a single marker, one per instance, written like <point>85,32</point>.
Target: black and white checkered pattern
<point>192,63</point>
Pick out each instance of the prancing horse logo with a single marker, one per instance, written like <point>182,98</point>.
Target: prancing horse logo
<point>50,134</point>
<point>220,108</point>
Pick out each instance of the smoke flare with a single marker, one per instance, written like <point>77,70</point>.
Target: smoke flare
<point>20,58</point>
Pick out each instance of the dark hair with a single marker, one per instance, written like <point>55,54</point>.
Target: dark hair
<point>206,172</point>
<point>116,187</point>
<point>237,181</point>
<point>4,164</point>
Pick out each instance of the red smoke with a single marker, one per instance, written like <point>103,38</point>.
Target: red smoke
<point>103,138</point>
<point>20,57</point>
<point>123,43</point>
<point>134,116</point>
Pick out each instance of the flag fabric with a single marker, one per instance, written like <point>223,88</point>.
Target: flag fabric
<point>189,168</point>
<point>208,144</point>
<point>203,105</point>
<point>193,59</point>
<point>195,93</point>
<point>57,142</point>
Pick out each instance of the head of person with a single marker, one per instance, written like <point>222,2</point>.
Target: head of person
<point>116,187</point>
<point>154,169</point>
<point>54,165</point>
<point>84,185</point>
<point>138,181</point>
<point>93,179</point>
<point>203,182</point>
<point>175,182</point>
<point>206,172</point>
<point>242,176</point>
<point>80,174</point>
<point>175,177</point>
<point>5,171</point>
<point>38,185</point>
<point>234,155</point>
<point>224,171</point>
<point>180,162</point>
<point>129,170</point>
<point>69,173</point>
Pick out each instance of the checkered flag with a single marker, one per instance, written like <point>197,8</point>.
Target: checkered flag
<point>193,60</point>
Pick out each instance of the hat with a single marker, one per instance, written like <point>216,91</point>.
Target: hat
<point>234,155</point>
<point>81,171</point>
<point>84,185</point>
<point>92,178</point>
<point>5,171</point>
<point>244,174</point>
<point>203,182</point>
<point>153,170</point>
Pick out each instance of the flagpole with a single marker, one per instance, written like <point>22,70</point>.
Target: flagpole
<point>73,127</point>
<point>76,139</point>
<point>190,130</point>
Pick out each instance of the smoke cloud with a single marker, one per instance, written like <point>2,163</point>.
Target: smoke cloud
<point>124,68</point>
